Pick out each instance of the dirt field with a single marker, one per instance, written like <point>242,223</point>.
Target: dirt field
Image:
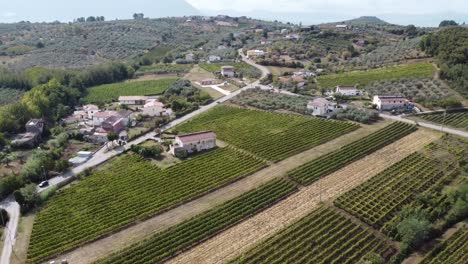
<point>245,235</point>
<point>122,239</point>
<point>22,239</point>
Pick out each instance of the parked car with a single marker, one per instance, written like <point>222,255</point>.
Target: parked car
<point>43,184</point>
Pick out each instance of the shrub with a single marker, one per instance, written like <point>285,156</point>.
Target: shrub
<point>9,184</point>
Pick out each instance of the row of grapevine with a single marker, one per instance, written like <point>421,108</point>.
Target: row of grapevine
<point>453,251</point>
<point>271,136</point>
<point>127,190</point>
<point>378,200</point>
<point>454,119</point>
<point>326,164</point>
<point>168,243</point>
<point>324,236</point>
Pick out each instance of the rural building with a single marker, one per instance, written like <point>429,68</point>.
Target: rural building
<point>132,100</point>
<point>156,109</point>
<point>113,124</point>
<point>292,37</point>
<point>227,71</point>
<point>322,107</point>
<point>209,82</point>
<point>255,53</point>
<point>304,73</point>
<point>195,142</point>
<point>391,102</point>
<point>214,58</point>
<point>341,27</point>
<point>90,110</point>
<point>189,57</point>
<point>127,117</point>
<point>347,90</point>
<point>33,135</point>
<point>99,117</point>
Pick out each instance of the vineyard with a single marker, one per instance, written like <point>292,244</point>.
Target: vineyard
<point>453,119</point>
<point>326,164</point>
<point>164,69</point>
<point>324,236</point>
<point>168,243</point>
<point>378,200</point>
<point>110,92</point>
<point>269,135</point>
<point>453,251</point>
<point>363,78</point>
<point>128,190</point>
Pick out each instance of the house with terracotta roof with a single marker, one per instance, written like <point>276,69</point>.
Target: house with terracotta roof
<point>156,109</point>
<point>383,102</point>
<point>322,107</point>
<point>348,90</point>
<point>192,143</point>
<point>99,117</point>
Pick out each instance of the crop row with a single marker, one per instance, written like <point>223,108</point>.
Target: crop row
<point>110,92</point>
<point>324,236</point>
<point>172,241</point>
<point>326,164</point>
<point>455,119</point>
<point>379,199</point>
<point>271,136</point>
<point>128,190</point>
<point>363,78</point>
<point>453,251</point>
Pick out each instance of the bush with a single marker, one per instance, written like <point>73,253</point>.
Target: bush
<point>4,217</point>
<point>412,231</point>
<point>27,197</point>
<point>147,152</point>
<point>9,184</point>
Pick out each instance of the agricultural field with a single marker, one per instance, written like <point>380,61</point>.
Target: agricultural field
<point>453,251</point>
<point>323,236</point>
<point>127,190</point>
<point>363,78</point>
<point>8,96</point>
<point>108,93</point>
<point>425,91</point>
<point>326,164</point>
<point>168,243</point>
<point>456,119</point>
<point>164,69</point>
<point>270,136</point>
<point>378,200</point>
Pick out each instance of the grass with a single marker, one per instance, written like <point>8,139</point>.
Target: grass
<point>216,67</point>
<point>165,68</point>
<point>110,92</point>
<point>363,78</point>
<point>8,96</point>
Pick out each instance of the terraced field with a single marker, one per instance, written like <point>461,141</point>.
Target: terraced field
<point>110,92</point>
<point>168,243</point>
<point>453,251</point>
<point>129,189</point>
<point>324,236</point>
<point>453,119</point>
<point>326,164</point>
<point>363,78</point>
<point>269,135</point>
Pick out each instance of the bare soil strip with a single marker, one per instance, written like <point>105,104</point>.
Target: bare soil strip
<point>108,245</point>
<point>240,238</point>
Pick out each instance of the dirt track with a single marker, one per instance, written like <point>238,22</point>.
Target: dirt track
<point>243,236</point>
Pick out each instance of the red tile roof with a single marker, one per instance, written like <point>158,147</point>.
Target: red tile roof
<point>204,135</point>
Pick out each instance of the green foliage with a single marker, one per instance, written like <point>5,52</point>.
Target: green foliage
<point>447,23</point>
<point>8,96</point>
<point>4,217</point>
<point>128,190</point>
<point>239,67</point>
<point>168,243</point>
<point>413,231</point>
<point>363,78</point>
<point>110,92</point>
<point>164,69</point>
<point>147,151</point>
<point>269,135</point>
<point>36,166</point>
<point>458,119</point>
<point>9,184</point>
<point>326,164</point>
<point>452,251</point>
<point>323,236</point>
<point>185,98</point>
<point>356,114</point>
<point>27,197</point>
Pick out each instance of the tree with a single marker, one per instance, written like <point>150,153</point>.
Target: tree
<point>413,230</point>
<point>91,19</point>
<point>111,136</point>
<point>138,16</point>
<point>39,45</point>
<point>27,197</point>
<point>447,23</point>
<point>411,30</point>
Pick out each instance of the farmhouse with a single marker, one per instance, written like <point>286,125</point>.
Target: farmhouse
<point>195,142</point>
<point>155,108</point>
<point>189,57</point>
<point>341,27</point>
<point>213,58</point>
<point>114,123</point>
<point>292,36</point>
<point>99,117</point>
<point>227,71</point>
<point>322,107</point>
<point>33,135</point>
<point>132,100</point>
<point>391,102</point>
<point>304,73</point>
<point>255,53</point>
<point>348,90</point>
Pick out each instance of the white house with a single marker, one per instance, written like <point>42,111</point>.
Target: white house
<point>322,107</point>
<point>390,102</point>
<point>90,110</point>
<point>341,27</point>
<point>255,53</point>
<point>293,36</point>
<point>189,57</point>
<point>195,142</point>
<point>227,71</point>
<point>213,58</point>
<point>132,100</point>
<point>304,73</point>
<point>155,108</point>
<point>348,90</point>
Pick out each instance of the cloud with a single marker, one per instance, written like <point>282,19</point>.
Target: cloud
<point>8,14</point>
<point>360,7</point>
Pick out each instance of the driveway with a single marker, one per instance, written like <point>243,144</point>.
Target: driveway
<point>13,209</point>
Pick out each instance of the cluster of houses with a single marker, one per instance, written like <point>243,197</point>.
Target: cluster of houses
<point>299,78</point>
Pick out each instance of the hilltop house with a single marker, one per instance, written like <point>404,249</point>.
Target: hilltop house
<point>132,100</point>
<point>195,142</point>
<point>33,135</point>
<point>255,53</point>
<point>322,107</point>
<point>348,90</point>
<point>189,57</point>
<point>155,108</point>
<point>227,71</point>
<point>341,27</point>
<point>391,102</point>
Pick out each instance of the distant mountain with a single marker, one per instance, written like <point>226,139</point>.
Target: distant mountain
<point>367,20</point>
<point>50,10</point>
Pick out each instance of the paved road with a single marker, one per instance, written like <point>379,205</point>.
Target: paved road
<point>427,125</point>
<point>13,209</point>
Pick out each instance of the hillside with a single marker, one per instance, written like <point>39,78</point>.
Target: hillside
<point>367,20</point>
